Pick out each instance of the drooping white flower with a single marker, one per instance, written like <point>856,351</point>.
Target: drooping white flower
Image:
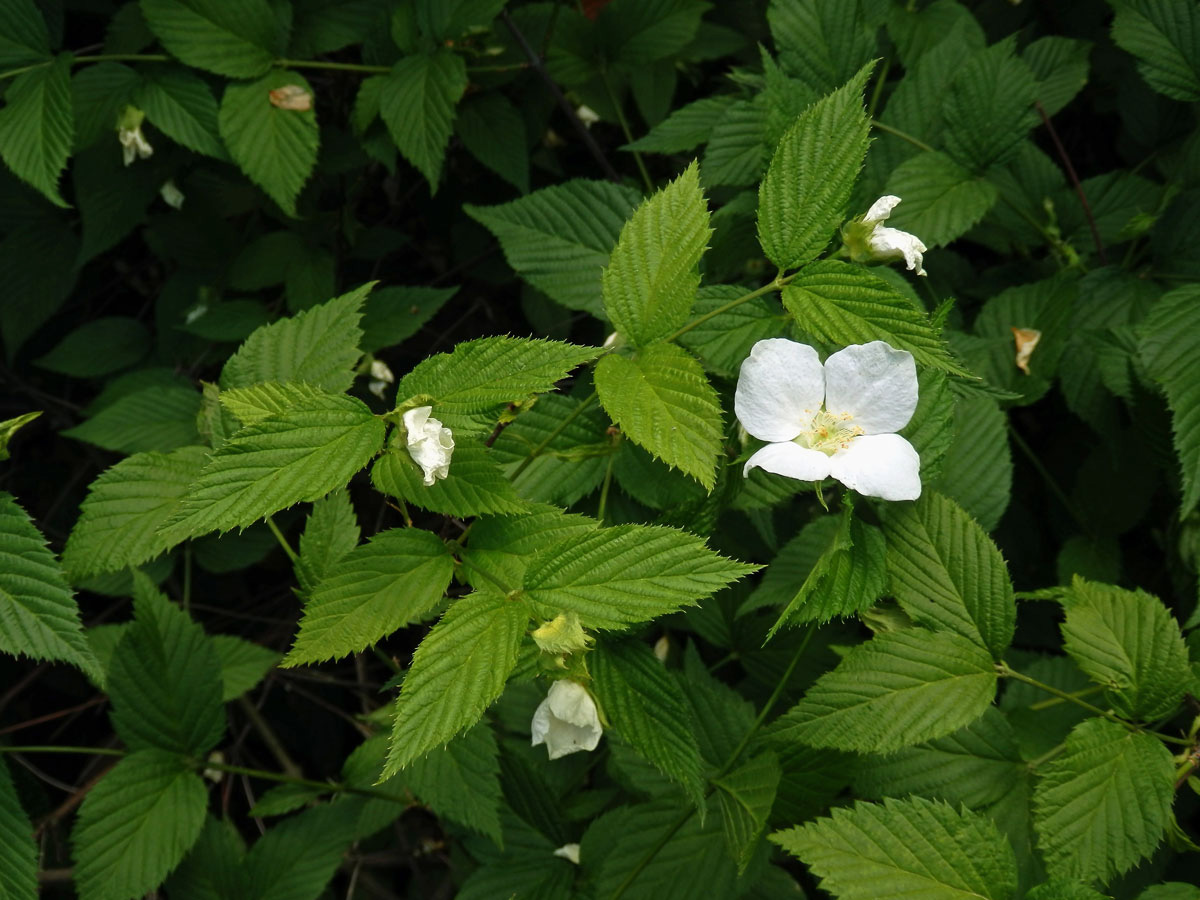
<point>587,116</point>
<point>838,419</point>
<point>870,241</point>
<point>566,721</point>
<point>381,377</point>
<point>129,132</point>
<point>430,444</point>
<point>568,852</point>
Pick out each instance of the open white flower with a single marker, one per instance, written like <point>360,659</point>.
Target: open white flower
<point>566,721</point>
<point>870,241</point>
<point>429,443</point>
<point>834,420</point>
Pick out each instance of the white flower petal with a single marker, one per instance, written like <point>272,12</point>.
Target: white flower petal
<point>879,465</point>
<point>568,852</point>
<point>874,383</point>
<point>566,721</point>
<point>429,443</point>
<point>790,460</point>
<point>779,389</point>
<point>881,209</point>
<point>892,243</point>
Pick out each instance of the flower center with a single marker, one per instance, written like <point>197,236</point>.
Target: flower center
<point>829,432</point>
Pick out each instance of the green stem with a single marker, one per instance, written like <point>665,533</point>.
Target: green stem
<point>500,585</point>
<point>878,92</point>
<point>637,157</point>
<point>287,548</point>
<point>559,429</point>
<point>270,738</point>
<point>94,751</point>
<point>1047,756</point>
<point>187,576</point>
<point>608,472</point>
<point>1054,701</point>
<point>778,283</point>
<point>903,135</point>
<point>336,66</point>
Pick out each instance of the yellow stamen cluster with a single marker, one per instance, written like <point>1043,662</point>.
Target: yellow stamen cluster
<point>829,432</point>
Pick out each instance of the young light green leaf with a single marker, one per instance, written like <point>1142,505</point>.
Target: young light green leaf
<point>942,200</point>
<point>457,671</point>
<point>329,534</point>
<point>842,304</point>
<point>9,427</point>
<point>613,577</point>
<point>250,405</point>
<point>488,372</point>
<point>274,144</point>
<point>1169,347</point>
<point>947,573</point>
<point>1164,35</point>
<point>803,198</point>
<point>372,591</point>
<point>822,42</point>
<point>475,486</point>
<point>181,106</point>
<point>136,825</point>
<point>417,105</point>
<point>243,664</point>
<point>559,238</point>
<point>663,402</point>
<point>18,852</point>
<point>988,109</point>
<point>1129,642</point>
<point>288,458</point>
<point>651,278</point>
<point>504,545</point>
<point>318,346</point>
<point>898,689</point>
<point>747,795</point>
<point>165,679</point>
<point>977,471</point>
<point>155,418</point>
<point>646,708</point>
<point>1102,805</point>
<point>119,520</point>
<point>37,126</point>
<point>461,781</point>
<point>38,614</point>
<point>906,848</point>
<point>240,41</point>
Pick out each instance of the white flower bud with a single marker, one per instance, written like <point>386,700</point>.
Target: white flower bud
<point>171,194</point>
<point>587,116</point>
<point>566,721</point>
<point>869,241</point>
<point>429,443</point>
<point>381,377</point>
<point>568,852</point>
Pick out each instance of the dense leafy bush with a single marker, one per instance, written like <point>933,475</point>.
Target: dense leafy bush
<point>647,448</point>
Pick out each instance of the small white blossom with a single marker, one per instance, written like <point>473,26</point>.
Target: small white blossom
<point>568,852</point>
<point>429,443</point>
<point>171,194</point>
<point>134,143</point>
<point>381,377</point>
<point>566,721</point>
<point>587,116</point>
<point>835,420</point>
<point>868,240</point>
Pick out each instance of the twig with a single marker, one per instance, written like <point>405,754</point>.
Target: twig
<point>1083,201</point>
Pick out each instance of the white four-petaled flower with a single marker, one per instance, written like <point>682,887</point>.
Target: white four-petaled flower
<point>835,420</point>
<point>868,240</point>
<point>430,444</point>
<point>566,721</point>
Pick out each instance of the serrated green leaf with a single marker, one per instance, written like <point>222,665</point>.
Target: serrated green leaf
<point>250,405</point>
<point>182,107</point>
<point>9,428</point>
<point>803,198</point>
<point>394,314</point>
<point>1065,889</point>
<point>559,238</point>
<point>1164,35</point>
<point>736,153</point>
<point>978,470</point>
<point>296,859</point>
<point>288,458</point>
<point>119,519</point>
<point>276,148</point>
<point>475,486</point>
<point>98,347</point>
<point>1128,641</point>
<point>318,346</point>
<point>747,795</point>
<point>988,108</point>
<point>23,35</point>
<point>898,689</point>
<point>156,418</point>
<point>165,679</point>
<point>849,576</point>
<point>461,781</point>
<point>906,848</point>
<point>38,614</point>
<point>842,304</point>
<point>493,130</point>
<point>243,664</point>
<point>488,372</point>
<point>651,278</point>
<point>942,200</point>
<point>329,534</point>
<point>527,864</point>
<point>99,94</point>
<point>662,401</point>
<point>1060,65</point>
<point>503,546</point>
<point>636,32</point>
<point>136,825</point>
<point>686,128</point>
<point>1102,805</point>
<point>457,671</point>
<point>616,576</point>
<point>417,105</point>
<point>18,852</point>
<point>822,42</point>
<point>240,41</point>
<point>445,20</point>
<point>285,798</point>
<point>1170,344</point>
<point>723,341</point>
<point>372,591</point>
<point>37,126</point>
<point>646,708</point>
<point>947,573</point>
